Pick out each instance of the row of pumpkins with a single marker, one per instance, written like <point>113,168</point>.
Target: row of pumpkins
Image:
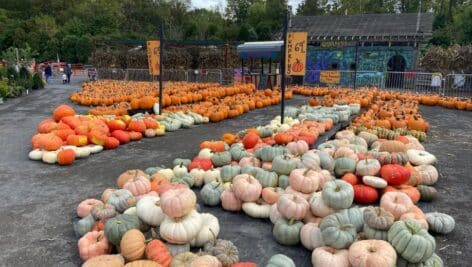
<point>68,136</point>
<point>291,185</point>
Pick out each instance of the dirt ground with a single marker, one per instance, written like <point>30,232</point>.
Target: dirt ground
<point>39,200</point>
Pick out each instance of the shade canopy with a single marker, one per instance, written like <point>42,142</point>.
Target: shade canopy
<point>267,50</point>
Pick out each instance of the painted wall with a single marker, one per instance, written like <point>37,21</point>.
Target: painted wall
<point>369,59</point>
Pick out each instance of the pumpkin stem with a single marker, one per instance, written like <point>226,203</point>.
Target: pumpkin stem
<point>291,221</point>
<point>213,239</point>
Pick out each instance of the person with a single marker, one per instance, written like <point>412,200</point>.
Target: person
<point>68,72</point>
<point>48,72</point>
<point>64,78</point>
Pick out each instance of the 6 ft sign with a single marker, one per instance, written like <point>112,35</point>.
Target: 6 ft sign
<point>295,53</point>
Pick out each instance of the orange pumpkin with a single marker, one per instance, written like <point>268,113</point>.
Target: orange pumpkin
<point>63,111</point>
<point>157,251</point>
<point>66,157</point>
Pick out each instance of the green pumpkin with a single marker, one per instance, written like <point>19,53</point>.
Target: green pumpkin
<point>344,165</point>
<point>183,178</point>
<point>171,125</point>
<point>280,260</point>
<point>117,226</point>
<point>251,170</point>
<point>221,158</point>
<point>372,233</point>
<point>183,162</point>
<point>326,145</point>
<point>268,153</point>
<point>338,194</point>
<point>238,152</point>
<point>434,261</point>
<point>337,231</point>
<point>152,170</point>
<point>326,161</point>
<point>211,193</point>
<point>287,232</point>
<point>428,193</point>
<point>356,217</point>
<point>84,225</point>
<point>283,181</point>
<point>411,242</point>
<point>440,223</point>
<point>267,179</point>
<point>228,172</point>
<point>283,165</point>
<point>121,199</point>
<point>265,132</point>
<point>368,137</point>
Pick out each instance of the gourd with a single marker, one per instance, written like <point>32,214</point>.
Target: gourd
<point>221,158</point>
<point>270,195</point>
<point>228,172</point>
<point>157,251</point>
<point>427,193</point>
<point>183,259</point>
<point>103,212</point>
<point>355,216</point>
<point>287,232</point>
<point>280,260</point>
<point>283,181</point>
<point>93,244</point>
<point>372,233</point>
<point>225,251</point>
<point>420,157</point>
<point>411,242</point>
<point>374,181</point>
<point>149,210</point>
<point>367,167</point>
<point>428,174</point>
<point>378,218</point>
<point>142,263</point>
<point>372,253</point>
<point>396,203</point>
<point>310,236</point>
<point>116,227</point>
<point>128,175</point>
<point>179,202</point>
<point>434,261</point>
<point>181,230</point>
<point>211,193</point>
<point>205,261</point>
<point>121,199</point>
<point>311,160</point>
<point>297,147</point>
<point>105,261</point>
<point>132,245</point>
<point>138,186</point>
<point>440,223</point>
<point>84,225</point>
<point>257,209</point>
<point>337,231</point>
<point>304,180</point>
<point>328,256</point>
<point>318,206</point>
<point>344,165</point>
<point>84,207</point>
<point>338,194</point>
<point>183,178</point>
<point>35,154</point>
<point>292,206</point>
<point>246,188</point>
<point>210,229</point>
<point>238,152</point>
<point>229,201</point>
<point>198,176</point>
<point>283,165</point>
<point>176,249</point>
<point>267,178</point>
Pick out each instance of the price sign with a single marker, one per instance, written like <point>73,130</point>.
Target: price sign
<point>295,53</point>
<point>154,57</point>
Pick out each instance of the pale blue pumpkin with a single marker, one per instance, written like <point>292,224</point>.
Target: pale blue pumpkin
<point>338,194</point>
<point>84,225</point>
<point>121,199</point>
<point>283,181</point>
<point>228,172</point>
<point>251,170</point>
<point>344,165</point>
<point>326,161</point>
<point>238,152</point>
<point>268,153</point>
<point>337,231</point>
<point>221,158</point>
<point>117,226</point>
<point>283,165</point>
<point>183,178</point>
<point>267,179</point>
<point>372,233</point>
<point>287,232</point>
<point>280,260</point>
<point>434,261</point>
<point>211,193</point>
<point>179,161</point>
<point>440,223</point>
<point>356,217</point>
<point>266,132</point>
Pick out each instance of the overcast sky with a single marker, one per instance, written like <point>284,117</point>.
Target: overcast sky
<point>220,4</point>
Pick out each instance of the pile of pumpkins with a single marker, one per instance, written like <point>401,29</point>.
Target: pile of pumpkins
<point>67,136</point>
<point>351,201</point>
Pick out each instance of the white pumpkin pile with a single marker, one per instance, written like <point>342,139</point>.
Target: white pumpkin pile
<point>50,157</point>
<point>337,113</point>
<point>180,119</point>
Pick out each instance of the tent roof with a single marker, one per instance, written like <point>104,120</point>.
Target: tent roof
<point>270,49</point>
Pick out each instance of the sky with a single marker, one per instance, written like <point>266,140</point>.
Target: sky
<point>220,4</point>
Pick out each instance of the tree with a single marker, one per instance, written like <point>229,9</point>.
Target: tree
<point>237,10</point>
<point>310,8</point>
<point>463,25</point>
<point>25,56</point>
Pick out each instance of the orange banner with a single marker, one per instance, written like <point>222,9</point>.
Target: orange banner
<point>154,57</point>
<point>295,53</point>
<point>330,76</point>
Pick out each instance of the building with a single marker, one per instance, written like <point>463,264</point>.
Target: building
<point>369,45</point>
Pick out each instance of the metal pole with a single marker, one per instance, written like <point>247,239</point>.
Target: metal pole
<point>355,69</point>
<point>282,67</point>
<point>270,72</point>
<point>161,50</point>
<point>242,70</point>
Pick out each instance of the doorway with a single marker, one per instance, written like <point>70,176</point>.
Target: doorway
<point>396,68</point>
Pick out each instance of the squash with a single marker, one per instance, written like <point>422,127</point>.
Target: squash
<point>280,260</point>
<point>427,193</point>
<point>411,242</point>
<point>344,165</point>
<point>121,199</point>
<point>396,202</point>
<point>229,201</point>
<point>149,210</point>
<point>283,165</point>
<point>228,172</point>
<point>304,180</point>
<point>287,232</point>
<point>378,218</point>
<point>183,259</point>
<point>105,261</point>
<point>84,207</point>
<point>158,252</point>
<point>210,193</point>
<point>84,225</point>
<point>337,231</point>
<point>257,209</point>
<point>372,233</point>
<point>428,174</point>
<point>210,230</point>
<point>338,194</point>
<point>205,261</point>
<point>367,253</point>
<point>318,206</point>
<point>440,223</point>
<point>374,181</point>
<point>177,203</point>
<point>139,185</point>
<point>328,256</point>
<point>310,236</point>
<point>368,167</point>
<point>267,178</point>
<point>93,244</point>
<point>116,227</point>
<point>129,175</point>
<point>292,206</point>
<point>143,263</point>
<point>181,230</point>
<point>246,188</point>
<point>103,211</point>
<point>132,245</point>
<point>355,216</point>
<point>225,251</point>
<point>420,157</point>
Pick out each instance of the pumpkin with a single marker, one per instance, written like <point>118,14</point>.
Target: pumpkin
<point>283,138</point>
<point>121,199</point>
<point>364,194</point>
<point>182,230</point>
<point>287,232</point>
<point>250,140</point>
<point>238,152</point>
<point>84,207</point>
<point>280,260</point>
<point>132,245</point>
<point>372,253</point>
<point>62,111</point>
<point>225,251</point>
<point>210,193</point>
<point>378,218</point>
<point>392,146</point>
<point>143,263</point>
<point>128,175</point>
<point>395,174</point>
<point>310,236</point>
<point>116,227</point>
<point>175,249</point>
<point>417,215</point>
<point>283,181</point>
<point>368,167</point>
<point>270,195</point>
<point>228,172</point>
<point>311,160</point>
<point>148,209</point>
<point>176,203</point>
<point>292,206</point>
<point>49,142</point>
<point>283,165</point>
<point>350,178</point>
<point>103,211</point>
<point>93,244</point>
<point>355,216</point>
<point>304,180</point>
<point>221,158</point>
<point>105,261</point>
<point>396,202</point>
<point>327,256</point>
<point>229,201</point>
<point>206,261</point>
<point>210,230</point>
<point>411,191</point>
<point>411,242</point>
<point>420,157</point>
<point>244,264</point>
<point>337,231</point>
<point>440,223</point>
<point>257,209</point>
<point>297,147</point>
<point>434,261</point>
<point>246,188</point>
<point>338,194</point>
<point>268,153</point>
<point>183,259</point>
<point>157,251</point>
<point>66,157</point>
<point>267,178</point>
<point>138,185</point>
<point>318,206</point>
<point>428,174</point>
<point>344,165</point>
<point>427,193</point>
<point>372,233</point>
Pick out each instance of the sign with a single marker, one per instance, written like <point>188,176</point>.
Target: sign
<point>154,57</point>
<point>295,53</point>
<point>330,76</point>
<point>330,44</point>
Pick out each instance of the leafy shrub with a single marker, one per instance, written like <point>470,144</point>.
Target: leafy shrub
<point>4,89</point>
<point>24,78</point>
<point>38,83</point>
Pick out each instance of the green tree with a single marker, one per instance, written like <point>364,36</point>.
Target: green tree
<point>24,56</point>
<point>310,8</point>
<point>237,10</point>
<point>463,25</point>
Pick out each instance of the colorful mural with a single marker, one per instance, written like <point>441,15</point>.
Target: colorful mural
<point>373,59</point>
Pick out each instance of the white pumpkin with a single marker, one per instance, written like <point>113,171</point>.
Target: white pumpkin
<point>95,148</point>
<point>318,207</point>
<point>310,236</point>
<point>149,210</point>
<point>168,173</point>
<point>374,181</point>
<point>209,231</point>
<point>49,157</point>
<point>256,210</point>
<point>197,175</point>
<point>211,175</point>
<point>420,157</point>
<point>36,154</point>
<point>311,160</point>
<point>283,128</point>
<point>130,211</point>
<point>205,153</point>
<point>274,214</point>
<point>182,230</point>
<point>82,152</point>
<point>180,170</point>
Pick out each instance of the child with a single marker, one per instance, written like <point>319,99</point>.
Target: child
<point>64,78</point>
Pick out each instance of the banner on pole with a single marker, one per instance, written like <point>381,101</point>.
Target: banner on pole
<point>330,76</point>
<point>154,57</point>
<point>295,53</point>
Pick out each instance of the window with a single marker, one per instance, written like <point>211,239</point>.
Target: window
<point>334,66</point>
